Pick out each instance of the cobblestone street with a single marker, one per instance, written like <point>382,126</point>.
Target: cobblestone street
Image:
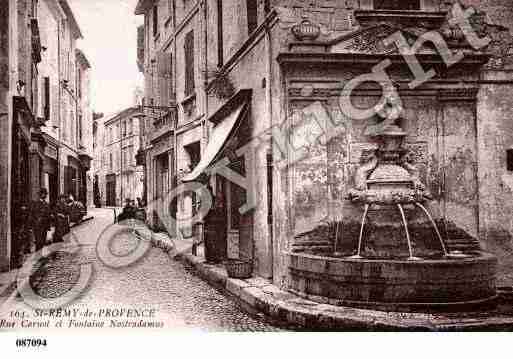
<point>180,299</point>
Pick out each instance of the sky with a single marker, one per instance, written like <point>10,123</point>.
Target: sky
<point>109,28</point>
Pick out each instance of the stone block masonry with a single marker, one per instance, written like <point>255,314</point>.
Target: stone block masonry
<point>5,139</point>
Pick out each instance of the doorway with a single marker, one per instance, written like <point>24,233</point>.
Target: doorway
<point>239,228</point>
<point>111,190</point>
<point>53,187</point>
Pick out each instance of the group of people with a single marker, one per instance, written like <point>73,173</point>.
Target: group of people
<point>38,218</point>
<point>131,210</point>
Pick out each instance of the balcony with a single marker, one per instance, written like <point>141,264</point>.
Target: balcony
<point>128,168</point>
<point>164,124</point>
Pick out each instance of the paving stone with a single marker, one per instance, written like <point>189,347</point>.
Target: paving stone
<point>271,289</point>
<point>187,301</point>
<point>194,260</point>
<point>258,282</point>
<point>234,286</point>
<point>250,295</point>
<point>217,276</point>
<point>182,300</point>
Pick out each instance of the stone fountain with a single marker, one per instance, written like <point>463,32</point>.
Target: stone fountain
<point>388,270</point>
<point>391,181</point>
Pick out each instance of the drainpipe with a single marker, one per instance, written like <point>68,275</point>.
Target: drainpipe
<point>269,83</point>
<point>175,120</point>
<point>59,183</point>
<point>205,75</point>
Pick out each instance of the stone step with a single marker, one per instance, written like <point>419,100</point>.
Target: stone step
<point>309,244</point>
<point>324,249</point>
<point>462,244</point>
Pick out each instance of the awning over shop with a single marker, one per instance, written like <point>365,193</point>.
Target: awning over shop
<point>221,134</point>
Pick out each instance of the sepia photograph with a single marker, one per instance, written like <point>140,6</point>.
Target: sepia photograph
<point>255,166</point>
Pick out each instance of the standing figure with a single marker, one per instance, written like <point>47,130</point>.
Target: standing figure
<point>61,210</point>
<point>41,218</point>
<point>215,227</point>
<point>23,237</point>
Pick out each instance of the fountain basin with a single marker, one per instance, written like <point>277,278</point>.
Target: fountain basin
<point>395,285</point>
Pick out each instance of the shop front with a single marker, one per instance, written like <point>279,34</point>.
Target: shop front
<point>28,146</point>
<point>228,231</point>
<point>161,168</point>
<point>51,169</point>
<point>85,183</point>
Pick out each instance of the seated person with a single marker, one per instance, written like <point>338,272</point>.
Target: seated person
<point>129,211</point>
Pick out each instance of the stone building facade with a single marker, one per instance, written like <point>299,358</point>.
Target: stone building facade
<point>38,77</point>
<point>84,121</point>
<point>116,143</point>
<point>64,96</point>
<point>270,75</point>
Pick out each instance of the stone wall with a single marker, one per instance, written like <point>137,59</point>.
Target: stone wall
<point>464,142</point>
<point>442,139</point>
<point>5,137</point>
<point>250,72</point>
<point>495,136</point>
<point>495,131</point>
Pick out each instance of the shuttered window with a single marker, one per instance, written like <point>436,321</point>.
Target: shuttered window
<point>155,20</point>
<point>189,63</point>
<point>80,133</point>
<point>220,49</point>
<point>170,7</point>
<point>162,175</point>
<point>252,15</point>
<point>54,104</point>
<point>165,78</point>
<point>46,98</point>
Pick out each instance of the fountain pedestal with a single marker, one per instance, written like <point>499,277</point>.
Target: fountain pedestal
<point>392,267</point>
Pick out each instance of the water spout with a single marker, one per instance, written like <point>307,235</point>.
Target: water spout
<point>444,248</point>
<point>408,239</point>
<point>360,238</point>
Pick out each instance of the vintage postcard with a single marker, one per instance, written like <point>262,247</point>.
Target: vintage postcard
<point>255,166</point>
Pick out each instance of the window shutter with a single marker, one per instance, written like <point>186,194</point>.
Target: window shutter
<point>220,50</point>
<point>46,94</point>
<point>55,105</point>
<point>155,20</point>
<point>189,63</point>
<point>140,47</point>
<point>252,15</point>
<point>160,79</point>
<point>164,75</point>
<point>68,179</point>
<point>169,64</point>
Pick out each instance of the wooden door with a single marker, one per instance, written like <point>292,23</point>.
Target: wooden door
<point>111,193</point>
